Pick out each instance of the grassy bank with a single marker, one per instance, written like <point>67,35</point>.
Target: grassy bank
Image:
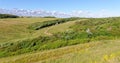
<point>94,52</point>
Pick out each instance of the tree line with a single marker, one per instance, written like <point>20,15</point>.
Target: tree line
<point>8,16</point>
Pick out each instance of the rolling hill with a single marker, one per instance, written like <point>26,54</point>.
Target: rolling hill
<point>59,40</point>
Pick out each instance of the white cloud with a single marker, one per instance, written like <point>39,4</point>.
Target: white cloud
<point>76,13</point>
<point>97,14</point>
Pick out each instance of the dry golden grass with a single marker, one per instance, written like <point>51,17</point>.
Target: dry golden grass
<point>16,28</point>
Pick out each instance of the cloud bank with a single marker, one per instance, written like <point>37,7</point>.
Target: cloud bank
<point>42,13</point>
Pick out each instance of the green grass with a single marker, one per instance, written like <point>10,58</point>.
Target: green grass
<point>93,52</point>
<point>40,25</point>
<point>55,28</point>
<point>26,43</point>
<point>106,52</point>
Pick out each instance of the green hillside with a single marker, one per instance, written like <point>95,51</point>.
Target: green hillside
<point>59,40</point>
<point>93,52</point>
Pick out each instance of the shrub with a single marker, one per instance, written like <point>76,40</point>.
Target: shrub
<point>49,17</point>
<point>8,16</point>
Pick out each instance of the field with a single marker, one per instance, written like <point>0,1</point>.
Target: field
<point>16,28</point>
<point>60,40</point>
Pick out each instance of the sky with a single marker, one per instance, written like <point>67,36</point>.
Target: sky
<point>83,7</point>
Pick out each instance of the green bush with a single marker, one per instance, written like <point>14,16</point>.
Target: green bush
<point>49,17</point>
<point>8,16</point>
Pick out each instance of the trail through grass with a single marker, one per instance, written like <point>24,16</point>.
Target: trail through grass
<point>41,47</point>
<point>16,28</point>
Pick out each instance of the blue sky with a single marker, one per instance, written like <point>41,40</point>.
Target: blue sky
<point>112,6</point>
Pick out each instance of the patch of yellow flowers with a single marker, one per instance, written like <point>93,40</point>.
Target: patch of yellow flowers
<point>108,57</point>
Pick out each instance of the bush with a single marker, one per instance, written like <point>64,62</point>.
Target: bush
<point>8,16</point>
<point>49,17</point>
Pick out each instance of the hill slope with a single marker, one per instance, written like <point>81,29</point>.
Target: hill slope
<point>56,40</point>
<point>16,28</point>
<point>94,52</point>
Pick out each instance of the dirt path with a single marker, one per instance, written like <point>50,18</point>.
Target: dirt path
<point>47,32</point>
<point>61,26</point>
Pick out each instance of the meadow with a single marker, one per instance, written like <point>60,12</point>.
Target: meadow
<point>58,40</point>
<point>16,28</point>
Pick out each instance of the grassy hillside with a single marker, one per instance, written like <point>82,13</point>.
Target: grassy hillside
<point>16,28</point>
<point>32,42</point>
<point>101,28</point>
<point>20,37</point>
<point>93,52</point>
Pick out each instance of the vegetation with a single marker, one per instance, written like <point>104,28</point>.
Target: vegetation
<point>15,29</point>
<point>82,31</point>
<point>49,17</point>
<point>100,27</point>
<point>8,16</point>
<point>99,52</point>
<point>39,25</point>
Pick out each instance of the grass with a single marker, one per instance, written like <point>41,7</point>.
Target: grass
<point>57,28</point>
<point>58,43</point>
<point>103,53</point>
<point>63,27</point>
<point>16,28</point>
<point>93,52</point>
<point>40,25</point>
<point>26,44</point>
